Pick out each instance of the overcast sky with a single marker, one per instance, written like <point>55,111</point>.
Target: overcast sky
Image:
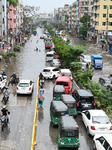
<point>47,5</point>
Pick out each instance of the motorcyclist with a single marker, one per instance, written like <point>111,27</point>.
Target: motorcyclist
<point>3,73</point>
<point>14,76</point>
<point>41,76</point>
<point>6,90</point>
<point>5,112</point>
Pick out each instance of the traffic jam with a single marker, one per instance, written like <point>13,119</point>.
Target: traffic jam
<point>69,103</point>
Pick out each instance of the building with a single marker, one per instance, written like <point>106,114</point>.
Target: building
<point>21,14</point>
<point>44,16</point>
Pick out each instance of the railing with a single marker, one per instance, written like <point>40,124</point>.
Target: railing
<point>33,143</point>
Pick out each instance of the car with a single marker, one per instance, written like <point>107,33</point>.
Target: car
<point>25,86</point>
<point>96,122</point>
<point>66,72</point>
<point>41,37</point>
<point>85,99</point>
<point>3,82</point>
<point>102,142</point>
<point>85,58</point>
<point>83,68</point>
<point>50,55</point>
<point>104,82</point>
<point>55,63</point>
<point>51,72</point>
<point>52,49</point>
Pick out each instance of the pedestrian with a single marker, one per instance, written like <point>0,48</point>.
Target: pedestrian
<point>40,100</point>
<point>41,90</point>
<point>37,41</point>
<point>102,46</point>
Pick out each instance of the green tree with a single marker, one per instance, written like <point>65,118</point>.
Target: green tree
<point>85,20</point>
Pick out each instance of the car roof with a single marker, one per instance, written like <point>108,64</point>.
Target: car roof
<point>51,52</point>
<point>59,106</point>
<point>67,98</point>
<point>59,88</point>
<point>95,112</point>
<point>63,78</point>
<point>51,68</point>
<point>68,122</point>
<point>105,78</point>
<point>24,81</point>
<point>65,70</point>
<point>55,60</point>
<point>83,92</point>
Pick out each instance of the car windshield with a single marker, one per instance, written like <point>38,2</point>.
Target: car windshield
<point>65,133</point>
<point>66,74</point>
<point>46,70</point>
<point>23,85</point>
<point>107,81</point>
<point>100,119</point>
<point>98,61</point>
<point>71,105</point>
<point>56,60</point>
<point>62,83</point>
<point>49,55</point>
<point>86,57</point>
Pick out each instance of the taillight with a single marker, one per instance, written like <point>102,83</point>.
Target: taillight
<point>95,148</point>
<point>94,104</point>
<point>53,63</point>
<point>50,72</point>
<point>76,140</point>
<point>93,127</point>
<point>111,128</point>
<point>99,79</point>
<point>77,104</point>
<point>17,88</point>
<point>60,63</point>
<point>29,88</point>
<point>62,140</point>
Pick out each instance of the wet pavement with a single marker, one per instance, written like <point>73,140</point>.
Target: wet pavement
<point>27,65</point>
<point>96,49</point>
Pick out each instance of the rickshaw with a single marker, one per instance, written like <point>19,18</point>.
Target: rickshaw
<point>57,91</point>
<point>68,133</point>
<point>71,103</point>
<point>57,109</point>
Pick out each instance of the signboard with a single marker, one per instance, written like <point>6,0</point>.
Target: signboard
<point>62,18</point>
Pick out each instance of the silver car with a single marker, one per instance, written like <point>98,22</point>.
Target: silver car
<point>55,63</point>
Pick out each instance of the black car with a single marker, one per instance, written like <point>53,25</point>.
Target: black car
<point>85,99</point>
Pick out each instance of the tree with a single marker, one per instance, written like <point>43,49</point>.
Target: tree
<point>85,20</point>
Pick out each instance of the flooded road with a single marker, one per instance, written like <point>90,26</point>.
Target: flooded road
<point>95,49</point>
<point>27,65</point>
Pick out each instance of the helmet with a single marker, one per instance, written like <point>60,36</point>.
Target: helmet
<point>4,106</point>
<point>40,72</point>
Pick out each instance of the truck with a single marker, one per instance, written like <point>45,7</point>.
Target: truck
<point>97,61</point>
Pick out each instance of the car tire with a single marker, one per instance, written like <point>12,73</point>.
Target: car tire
<point>88,131</point>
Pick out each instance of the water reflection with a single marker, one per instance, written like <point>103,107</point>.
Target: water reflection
<point>53,133</point>
<point>40,115</point>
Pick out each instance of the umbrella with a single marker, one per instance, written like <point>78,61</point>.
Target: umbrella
<point>102,39</point>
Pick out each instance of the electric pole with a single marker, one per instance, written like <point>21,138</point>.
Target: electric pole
<point>107,29</point>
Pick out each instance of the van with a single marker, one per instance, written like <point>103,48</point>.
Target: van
<point>57,109</point>
<point>68,133</point>
<point>50,55</point>
<point>66,82</point>
<point>58,90</point>
<point>71,103</point>
<point>85,99</point>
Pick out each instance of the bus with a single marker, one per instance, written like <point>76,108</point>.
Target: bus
<point>48,43</point>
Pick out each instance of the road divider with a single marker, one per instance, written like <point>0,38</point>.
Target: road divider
<point>33,142</point>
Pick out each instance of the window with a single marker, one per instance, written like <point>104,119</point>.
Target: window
<point>87,115</point>
<point>10,9</point>
<point>82,3</point>
<point>3,7</point>
<point>110,23</point>
<point>106,144</point>
<point>103,23</point>
<point>110,15</point>
<point>101,140</point>
<point>104,6</point>
<point>110,6</point>
<point>91,3</point>
<point>86,8</point>
<point>85,13</point>
<point>3,21</point>
<point>104,15</point>
<point>86,3</point>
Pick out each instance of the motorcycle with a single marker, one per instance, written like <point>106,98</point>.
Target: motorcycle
<point>41,82</point>
<point>5,98</point>
<point>12,81</point>
<point>4,122</point>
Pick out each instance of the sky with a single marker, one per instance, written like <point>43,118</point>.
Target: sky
<point>47,5</point>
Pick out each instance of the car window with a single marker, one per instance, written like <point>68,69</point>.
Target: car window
<point>106,145</point>
<point>62,83</point>
<point>46,70</point>
<point>109,148</point>
<point>23,85</point>
<point>100,119</point>
<point>101,140</point>
<point>56,69</point>
<point>87,114</point>
<point>66,74</point>
<point>49,55</point>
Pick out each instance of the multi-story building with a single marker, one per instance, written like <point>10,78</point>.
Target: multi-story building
<point>21,14</point>
<point>12,17</point>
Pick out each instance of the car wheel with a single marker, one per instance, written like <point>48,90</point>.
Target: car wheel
<point>88,131</point>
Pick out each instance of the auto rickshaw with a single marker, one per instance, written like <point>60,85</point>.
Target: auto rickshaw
<point>71,103</point>
<point>68,133</point>
<point>58,90</point>
<point>57,109</point>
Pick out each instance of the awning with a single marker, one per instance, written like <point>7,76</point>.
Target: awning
<point>102,39</point>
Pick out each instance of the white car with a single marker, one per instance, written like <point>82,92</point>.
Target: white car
<point>55,63</point>
<point>85,58</point>
<point>96,122</point>
<point>3,82</point>
<point>50,55</point>
<point>66,72</point>
<point>51,72</point>
<point>25,87</point>
<point>102,142</point>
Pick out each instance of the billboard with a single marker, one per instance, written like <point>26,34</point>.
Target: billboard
<point>62,18</point>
